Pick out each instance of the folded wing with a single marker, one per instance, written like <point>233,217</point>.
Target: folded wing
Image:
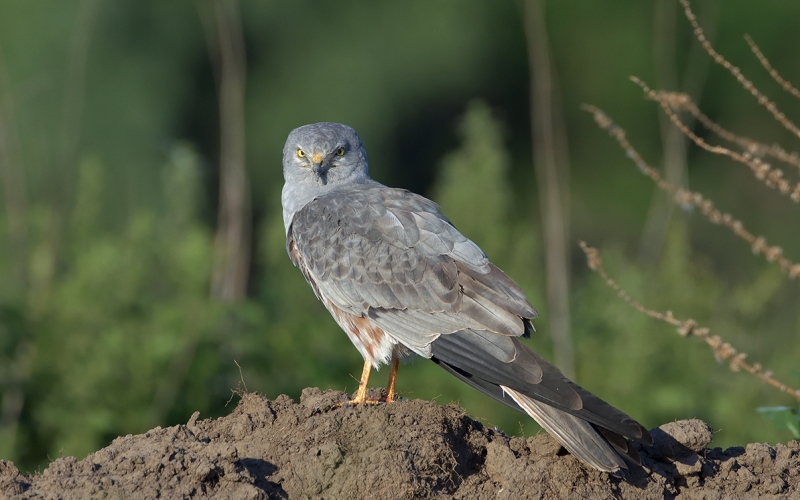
<point>390,256</point>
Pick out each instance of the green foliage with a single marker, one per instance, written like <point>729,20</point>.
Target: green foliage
<point>106,327</point>
<point>472,186</point>
<point>115,334</point>
<point>783,416</point>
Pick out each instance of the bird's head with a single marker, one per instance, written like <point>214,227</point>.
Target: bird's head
<point>324,155</point>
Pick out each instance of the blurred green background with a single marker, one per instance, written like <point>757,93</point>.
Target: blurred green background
<point>109,147</point>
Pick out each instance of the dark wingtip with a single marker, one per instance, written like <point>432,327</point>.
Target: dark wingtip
<point>620,444</point>
<point>526,322</point>
<point>646,437</point>
<point>643,436</point>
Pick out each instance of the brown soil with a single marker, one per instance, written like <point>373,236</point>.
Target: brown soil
<point>411,449</point>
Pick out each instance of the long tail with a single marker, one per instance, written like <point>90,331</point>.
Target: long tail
<point>588,427</point>
<point>578,436</point>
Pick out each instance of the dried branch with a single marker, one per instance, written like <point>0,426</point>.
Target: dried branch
<point>682,102</point>
<point>769,175</point>
<point>685,197</point>
<point>693,71</point>
<point>772,72</point>
<point>737,73</point>
<point>723,351</point>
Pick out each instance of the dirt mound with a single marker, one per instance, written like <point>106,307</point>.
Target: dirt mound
<point>411,449</point>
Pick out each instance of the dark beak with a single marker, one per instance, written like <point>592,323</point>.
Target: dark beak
<point>321,172</point>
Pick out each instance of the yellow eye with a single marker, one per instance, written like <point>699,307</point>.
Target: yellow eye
<point>340,152</point>
<point>301,153</point>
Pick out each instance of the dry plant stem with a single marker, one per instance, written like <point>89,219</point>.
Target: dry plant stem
<point>723,351</point>
<point>772,72</point>
<point>693,71</point>
<point>674,144</point>
<point>241,376</point>
<point>685,197</point>
<point>74,90</point>
<point>772,177</point>
<point>225,39</point>
<point>680,101</point>
<point>552,169</point>
<point>737,73</point>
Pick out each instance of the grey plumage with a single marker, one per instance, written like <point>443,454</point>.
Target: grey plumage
<point>401,280</point>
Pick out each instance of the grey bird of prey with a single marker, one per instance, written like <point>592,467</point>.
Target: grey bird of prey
<point>401,281</point>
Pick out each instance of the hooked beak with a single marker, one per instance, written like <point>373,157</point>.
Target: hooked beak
<point>318,167</point>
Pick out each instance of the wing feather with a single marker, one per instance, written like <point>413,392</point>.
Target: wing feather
<point>390,256</point>
<point>377,248</point>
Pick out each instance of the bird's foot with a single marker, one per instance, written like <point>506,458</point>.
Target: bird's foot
<point>367,396</point>
<point>391,397</point>
<point>372,396</point>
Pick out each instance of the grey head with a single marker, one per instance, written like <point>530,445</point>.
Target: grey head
<point>318,158</point>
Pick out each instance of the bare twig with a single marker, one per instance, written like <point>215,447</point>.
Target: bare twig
<point>737,73</point>
<point>772,71</point>
<point>723,351</point>
<point>685,197</point>
<point>769,175</point>
<point>238,391</point>
<point>689,76</point>
<point>241,375</point>
<point>680,101</point>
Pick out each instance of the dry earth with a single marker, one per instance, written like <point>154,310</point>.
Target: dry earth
<point>412,449</point>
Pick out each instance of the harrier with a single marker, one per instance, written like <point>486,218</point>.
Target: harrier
<point>401,281</point>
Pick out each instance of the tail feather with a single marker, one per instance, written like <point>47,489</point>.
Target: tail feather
<point>532,376</point>
<point>578,436</point>
<point>591,429</point>
<point>622,445</point>
<point>598,447</point>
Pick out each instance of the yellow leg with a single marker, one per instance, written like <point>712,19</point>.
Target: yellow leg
<point>361,394</point>
<point>392,379</point>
